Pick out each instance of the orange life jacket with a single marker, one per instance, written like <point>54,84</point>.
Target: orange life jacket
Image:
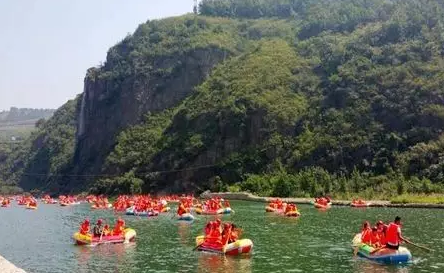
<point>366,236</point>
<point>106,231</point>
<point>84,229</point>
<point>214,235</point>
<point>375,240</point>
<point>392,235</point>
<point>118,229</point>
<point>382,240</point>
<point>226,235</point>
<point>181,210</point>
<point>234,236</point>
<point>208,228</point>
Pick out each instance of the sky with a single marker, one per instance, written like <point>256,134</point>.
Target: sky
<point>46,46</point>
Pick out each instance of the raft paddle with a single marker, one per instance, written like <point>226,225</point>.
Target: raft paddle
<point>418,246</point>
<point>101,235</point>
<point>196,247</point>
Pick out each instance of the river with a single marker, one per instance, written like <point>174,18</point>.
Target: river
<point>319,241</point>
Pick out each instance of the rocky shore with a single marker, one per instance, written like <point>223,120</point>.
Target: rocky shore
<point>373,203</point>
<point>8,267</point>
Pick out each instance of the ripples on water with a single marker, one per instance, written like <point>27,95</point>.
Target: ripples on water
<point>40,241</point>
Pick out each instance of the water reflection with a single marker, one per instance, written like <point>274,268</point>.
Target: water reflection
<point>213,263</point>
<point>184,230</point>
<point>110,256</point>
<point>364,266</point>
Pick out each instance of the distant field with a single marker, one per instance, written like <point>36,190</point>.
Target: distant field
<point>30,122</point>
<point>20,129</point>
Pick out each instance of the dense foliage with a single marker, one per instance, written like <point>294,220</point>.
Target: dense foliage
<point>40,160</point>
<point>342,97</point>
<point>363,100</point>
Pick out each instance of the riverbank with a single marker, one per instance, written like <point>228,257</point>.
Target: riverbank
<point>8,267</point>
<point>372,203</point>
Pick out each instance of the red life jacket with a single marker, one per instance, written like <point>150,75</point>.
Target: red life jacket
<point>181,210</point>
<point>118,229</point>
<point>376,240</point>
<point>226,235</point>
<point>366,236</point>
<point>392,235</point>
<point>84,229</point>
<point>381,236</point>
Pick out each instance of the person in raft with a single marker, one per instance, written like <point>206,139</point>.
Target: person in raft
<point>84,227</point>
<point>381,232</point>
<point>366,233</point>
<point>182,209</point>
<point>5,202</point>
<point>290,208</point>
<point>213,232</point>
<point>119,228</point>
<point>221,234</point>
<point>106,230</point>
<point>33,203</point>
<point>376,239</point>
<point>98,229</point>
<point>393,234</point>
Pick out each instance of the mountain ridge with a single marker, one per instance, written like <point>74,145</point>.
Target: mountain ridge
<point>288,98</point>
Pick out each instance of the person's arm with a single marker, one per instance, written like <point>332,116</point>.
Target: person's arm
<point>400,236</point>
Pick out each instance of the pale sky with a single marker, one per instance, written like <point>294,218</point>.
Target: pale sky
<point>46,46</point>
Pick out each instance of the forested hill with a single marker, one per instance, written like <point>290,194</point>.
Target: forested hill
<point>284,97</point>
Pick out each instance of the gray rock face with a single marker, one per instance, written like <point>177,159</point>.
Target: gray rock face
<point>107,110</point>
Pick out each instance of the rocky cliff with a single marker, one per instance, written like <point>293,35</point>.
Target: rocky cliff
<point>287,97</point>
<point>106,112</point>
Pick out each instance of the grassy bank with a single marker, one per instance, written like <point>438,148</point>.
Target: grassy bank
<point>405,201</point>
<point>314,181</point>
<point>418,199</point>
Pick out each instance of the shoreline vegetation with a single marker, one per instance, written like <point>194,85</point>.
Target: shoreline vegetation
<point>402,201</point>
<point>278,98</point>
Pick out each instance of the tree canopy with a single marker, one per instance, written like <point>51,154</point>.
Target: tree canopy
<point>310,97</point>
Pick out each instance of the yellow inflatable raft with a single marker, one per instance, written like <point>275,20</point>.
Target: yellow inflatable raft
<point>129,235</point>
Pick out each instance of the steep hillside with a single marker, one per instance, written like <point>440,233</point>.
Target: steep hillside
<point>286,97</point>
<point>152,70</point>
<point>367,92</point>
<point>39,162</point>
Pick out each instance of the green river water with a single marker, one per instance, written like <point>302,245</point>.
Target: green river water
<point>319,241</point>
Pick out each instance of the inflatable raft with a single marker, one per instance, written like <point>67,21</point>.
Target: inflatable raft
<point>132,211</point>
<point>166,209</point>
<point>359,205</point>
<point>214,212</point>
<point>384,256</point>
<point>270,209</point>
<point>294,213</point>
<point>242,246</point>
<point>185,217</point>
<point>107,206</point>
<point>128,236</point>
<point>322,206</point>
<point>64,204</point>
